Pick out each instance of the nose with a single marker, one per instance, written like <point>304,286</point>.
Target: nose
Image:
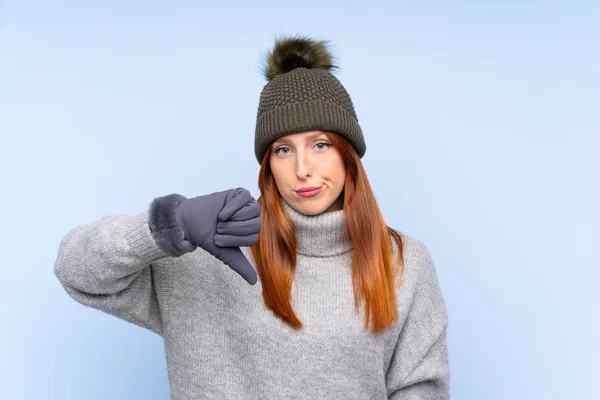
<point>302,166</point>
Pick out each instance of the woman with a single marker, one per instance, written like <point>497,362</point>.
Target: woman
<point>345,307</point>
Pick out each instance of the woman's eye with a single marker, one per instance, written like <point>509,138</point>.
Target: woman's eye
<point>325,145</point>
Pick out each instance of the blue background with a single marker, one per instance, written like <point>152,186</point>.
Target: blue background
<point>482,126</point>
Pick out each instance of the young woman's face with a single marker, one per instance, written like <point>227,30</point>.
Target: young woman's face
<point>308,159</point>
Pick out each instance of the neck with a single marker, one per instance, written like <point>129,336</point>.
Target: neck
<point>320,235</point>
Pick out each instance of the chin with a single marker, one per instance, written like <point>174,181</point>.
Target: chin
<point>312,209</point>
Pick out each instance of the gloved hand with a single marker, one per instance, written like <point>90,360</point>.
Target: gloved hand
<point>220,223</point>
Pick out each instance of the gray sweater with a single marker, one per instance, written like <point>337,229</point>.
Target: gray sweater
<point>220,340</point>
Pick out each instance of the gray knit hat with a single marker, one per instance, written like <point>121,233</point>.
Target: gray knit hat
<point>303,95</point>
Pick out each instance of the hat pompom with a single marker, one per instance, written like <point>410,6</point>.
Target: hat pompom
<point>297,52</point>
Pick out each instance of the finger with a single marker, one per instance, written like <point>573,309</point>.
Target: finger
<point>235,241</point>
<point>239,228</point>
<point>234,200</point>
<point>235,259</point>
<point>249,211</point>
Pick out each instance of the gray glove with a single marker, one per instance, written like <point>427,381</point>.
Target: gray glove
<point>220,223</point>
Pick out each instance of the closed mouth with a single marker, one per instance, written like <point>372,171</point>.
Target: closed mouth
<point>310,189</point>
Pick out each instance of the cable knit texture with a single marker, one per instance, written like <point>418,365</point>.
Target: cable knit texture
<point>220,340</point>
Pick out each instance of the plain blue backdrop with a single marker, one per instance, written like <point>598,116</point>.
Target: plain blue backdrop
<point>482,126</point>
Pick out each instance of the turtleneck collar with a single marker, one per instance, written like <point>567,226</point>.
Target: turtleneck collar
<point>320,235</point>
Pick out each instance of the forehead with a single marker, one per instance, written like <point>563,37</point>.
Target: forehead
<point>300,136</point>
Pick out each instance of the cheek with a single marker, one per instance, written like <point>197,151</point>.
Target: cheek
<point>339,173</point>
<point>275,170</point>
<point>341,177</point>
<point>280,175</point>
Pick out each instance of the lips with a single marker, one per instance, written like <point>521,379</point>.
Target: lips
<point>308,189</point>
<point>307,192</point>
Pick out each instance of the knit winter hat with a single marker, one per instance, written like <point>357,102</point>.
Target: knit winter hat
<point>303,95</point>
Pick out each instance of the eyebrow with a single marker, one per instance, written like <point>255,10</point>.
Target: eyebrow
<point>314,135</point>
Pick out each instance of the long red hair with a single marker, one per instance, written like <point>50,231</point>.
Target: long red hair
<point>373,274</point>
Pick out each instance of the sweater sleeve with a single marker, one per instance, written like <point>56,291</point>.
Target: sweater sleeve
<point>123,264</point>
<point>419,369</point>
